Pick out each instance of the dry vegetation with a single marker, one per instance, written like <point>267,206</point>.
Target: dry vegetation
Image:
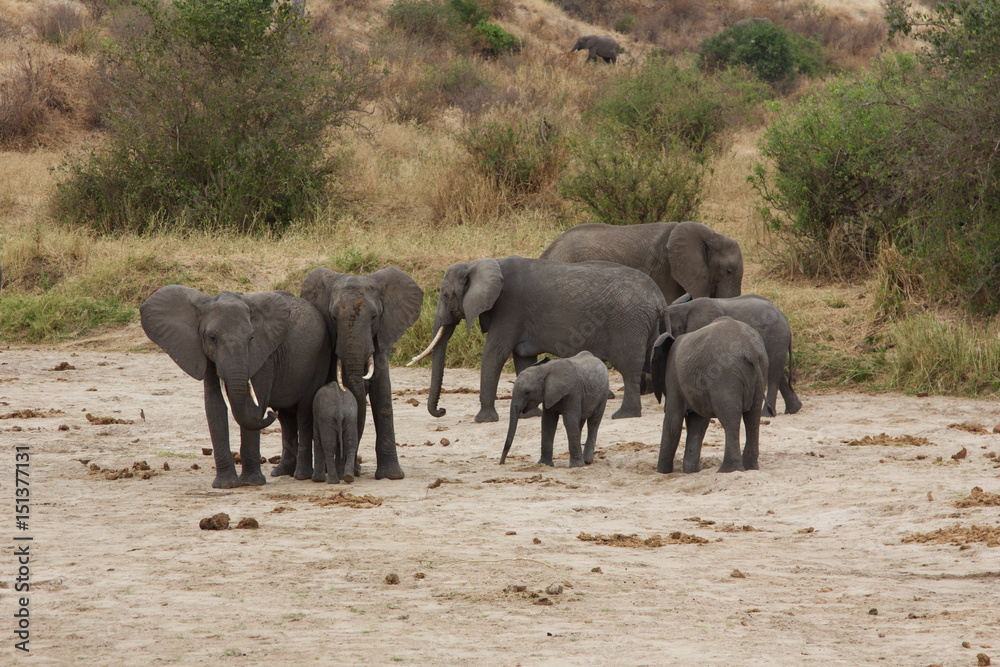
<point>408,192</point>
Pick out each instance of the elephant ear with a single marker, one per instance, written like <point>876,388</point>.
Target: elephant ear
<point>687,253</point>
<point>483,284</point>
<point>558,384</point>
<point>402,300</point>
<point>170,318</point>
<point>316,290</point>
<point>658,364</point>
<point>270,316</point>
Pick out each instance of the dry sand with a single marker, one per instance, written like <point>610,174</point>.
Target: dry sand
<point>121,572</point>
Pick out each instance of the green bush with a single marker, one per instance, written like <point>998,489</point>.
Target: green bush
<point>217,117</point>
<point>462,23</point>
<point>668,101</point>
<point>810,59</point>
<point>497,40</point>
<point>761,47</point>
<point>624,179</point>
<point>520,157</point>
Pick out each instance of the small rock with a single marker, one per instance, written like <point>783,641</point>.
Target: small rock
<point>511,532</point>
<point>392,578</point>
<point>515,588</point>
<point>195,466</point>
<point>63,427</point>
<point>248,523</point>
<point>419,575</point>
<point>414,402</point>
<point>206,451</point>
<point>445,442</point>
<point>536,541</point>
<point>736,574</point>
<point>996,429</point>
<point>218,521</point>
<point>983,660</point>
<point>596,570</point>
<point>545,602</point>
<point>873,612</point>
<point>966,645</point>
<point>166,466</point>
<point>435,484</point>
<point>554,589</point>
<point>959,455</point>
<point>929,496</point>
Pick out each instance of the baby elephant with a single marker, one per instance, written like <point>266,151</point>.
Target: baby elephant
<point>717,371</point>
<point>576,388</point>
<point>335,434</point>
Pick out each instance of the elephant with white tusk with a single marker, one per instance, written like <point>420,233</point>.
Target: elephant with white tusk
<point>365,316</point>
<point>253,351</point>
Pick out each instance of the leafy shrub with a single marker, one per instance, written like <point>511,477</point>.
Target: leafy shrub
<point>810,59</point>
<point>761,47</point>
<point>497,40</point>
<point>519,157</point>
<point>624,179</point>
<point>216,115</point>
<point>462,23</point>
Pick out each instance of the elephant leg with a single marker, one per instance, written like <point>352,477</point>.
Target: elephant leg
<point>631,403</point>
<point>495,356</point>
<point>673,418</point>
<point>731,460</point>
<point>380,392</point>
<point>696,428</point>
<point>573,423</point>
<point>792,402</point>
<point>325,451</point>
<point>348,451</point>
<point>304,433</point>
<point>751,421</point>
<point>250,454</point>
<point>520,363</point>
<point>289,443</point>
<point>550,420</point>
<point>218,428</point>
<point>593,423</point>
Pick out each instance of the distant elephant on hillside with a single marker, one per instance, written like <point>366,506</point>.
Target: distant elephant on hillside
<point>530,307</point>
<point>679,256</point>
<point>766,319</point>
<point>598,46</point>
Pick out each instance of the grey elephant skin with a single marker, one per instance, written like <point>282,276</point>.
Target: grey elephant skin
<point>766,319</point>
<point>717,371</point>
<point>274,340</point>
<point>365,316</point>
<point>530,307</point>
<point>335,434</point>
<point>598,46</point>
<point>577,389</point>
<point>681,257</point>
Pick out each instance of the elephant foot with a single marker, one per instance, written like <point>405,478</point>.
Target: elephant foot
<point>357,469</point>
<point>254,478</point>
<point>793,406</point>
<point>751,465</point>
<point>547,462</point>
<point>330,479</point>
<point>627,413</point>
<point>226,481</point>
<point>487,414</point>
<point>348,479</point>
<point>576,463</point>
<point>320,476</point>
<point>665,470</point>
<point>284,467</point>
<point>729,466</point>
<point>389,471</point>
<point>767,410</point>
<point>303,472</point>
<point>533,412</point>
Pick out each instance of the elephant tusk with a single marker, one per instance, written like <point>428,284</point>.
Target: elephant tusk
<point>430,348</point>
<point>340,374</point>
<point>253,395</point>
<point>371,368</point>
<point>225,397</point>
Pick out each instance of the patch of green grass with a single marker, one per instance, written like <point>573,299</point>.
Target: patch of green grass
<point>56,316</point>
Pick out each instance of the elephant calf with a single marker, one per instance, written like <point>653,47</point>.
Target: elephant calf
<point>766,319</point>
<point>717,371</point>
<point>335,434</point>
<point>576,388</point>
<point>598,46</point>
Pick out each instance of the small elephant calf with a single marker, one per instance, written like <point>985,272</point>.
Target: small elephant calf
<point>576,388</point>
<point>717,371</point>
<point>335,434</point>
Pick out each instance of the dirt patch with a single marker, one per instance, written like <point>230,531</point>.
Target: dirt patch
<point>634,541</point>
<point>634,446</point>
<point>104,421</point>
<point>979,498</point>
<point>969,427</point>
<point>959,536</point>
<point>883,440</point>
<point>28,413</point>
<point>344,499</point>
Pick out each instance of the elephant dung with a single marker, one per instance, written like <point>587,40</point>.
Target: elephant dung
<point>248,523</point>
<point>218,521</point>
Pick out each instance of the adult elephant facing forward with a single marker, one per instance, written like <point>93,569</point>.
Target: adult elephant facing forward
<point>530,307</point>
<point>365,316</point>
<point>679,256</point>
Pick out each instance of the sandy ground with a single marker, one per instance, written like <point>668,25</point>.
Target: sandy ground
<point>121,572</point>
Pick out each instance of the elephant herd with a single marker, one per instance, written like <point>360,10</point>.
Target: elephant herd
<point>658,302</point>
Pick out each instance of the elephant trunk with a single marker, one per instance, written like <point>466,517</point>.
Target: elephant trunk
<point>437,371</point>
<point>352,375</point>
<point>245,405</point>
<point>516,407</point>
